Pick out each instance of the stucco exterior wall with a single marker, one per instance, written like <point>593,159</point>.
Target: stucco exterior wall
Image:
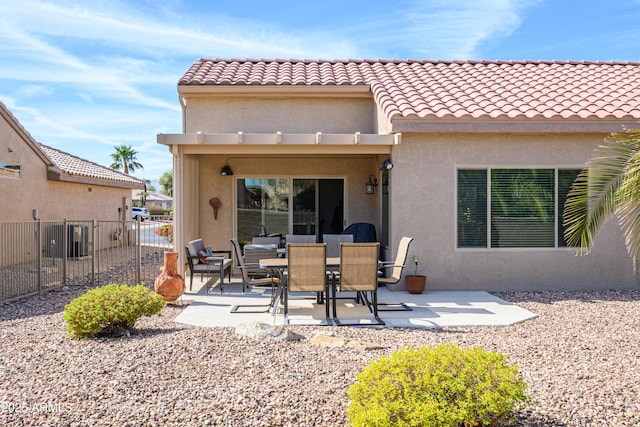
<point>20,195</point>
<point>289,115</point>
<point>423,205</point>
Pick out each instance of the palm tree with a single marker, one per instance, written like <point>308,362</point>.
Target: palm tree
<point>609,186</point>
<point>125,158</point>
<point>166,180</point>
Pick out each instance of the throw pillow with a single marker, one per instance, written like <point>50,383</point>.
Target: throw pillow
<point>203,254</point>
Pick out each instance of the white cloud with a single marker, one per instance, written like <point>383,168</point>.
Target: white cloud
<point>99,74</point>
<point>442,29</point>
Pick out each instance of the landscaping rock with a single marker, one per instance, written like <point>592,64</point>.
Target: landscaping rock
<point>263,331</point>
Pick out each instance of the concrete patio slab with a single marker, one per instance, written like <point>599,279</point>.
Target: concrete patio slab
<point>432,309</point>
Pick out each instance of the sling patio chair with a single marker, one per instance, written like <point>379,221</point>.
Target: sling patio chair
<point>266,240</point>
<point>397,268</point>
<point>254,253</point>
<point>306,272</point>
<point>333,242</point>
<point>358,273</point>
<point>298,238</point>
<point>247,280</point>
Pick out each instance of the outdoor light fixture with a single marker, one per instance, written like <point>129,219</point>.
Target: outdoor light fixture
<point>386,165</point>
<point>226,171</point>
<point>372,184</point>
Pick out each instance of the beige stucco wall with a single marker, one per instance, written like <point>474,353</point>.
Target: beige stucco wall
<point>423,204</point>
<point>20,195</point>
<point>295,115</point>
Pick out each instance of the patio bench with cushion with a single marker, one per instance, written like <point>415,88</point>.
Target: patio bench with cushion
<point>203,260</point>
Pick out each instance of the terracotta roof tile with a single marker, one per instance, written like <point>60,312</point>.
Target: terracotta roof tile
<point>458,89</point>
<point>73,165</point>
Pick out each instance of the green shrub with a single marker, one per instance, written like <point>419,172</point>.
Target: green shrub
<point>155,210</point>
<point>438,386</point>
<point>110,310</point>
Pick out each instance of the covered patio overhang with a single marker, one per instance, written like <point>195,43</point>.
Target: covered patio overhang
<point>279,143</point>
<point>192,151</point>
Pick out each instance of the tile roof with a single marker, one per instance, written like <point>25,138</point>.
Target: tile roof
<point>74,165</point>
<point>451,89</point>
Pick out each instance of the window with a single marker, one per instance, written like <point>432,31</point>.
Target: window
<point>9,171</point>
<point>522,210</point>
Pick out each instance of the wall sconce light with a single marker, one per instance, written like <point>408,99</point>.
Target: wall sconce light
<point>386,165</point>
<point>372,184</point>
<point>226,171</point>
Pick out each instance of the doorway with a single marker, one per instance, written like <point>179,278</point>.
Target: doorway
<point>318,206</point>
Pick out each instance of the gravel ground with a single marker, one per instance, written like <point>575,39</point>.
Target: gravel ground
<point>581,359</point>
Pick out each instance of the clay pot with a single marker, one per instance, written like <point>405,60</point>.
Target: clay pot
<point>169,283</point>
<point>415,284</point>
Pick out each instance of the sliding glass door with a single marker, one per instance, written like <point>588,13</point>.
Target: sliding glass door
<point>262,207</point>
<point>280,206</point>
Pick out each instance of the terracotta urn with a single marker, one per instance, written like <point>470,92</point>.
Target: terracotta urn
<point>169,283</point>
<point>415,284</point>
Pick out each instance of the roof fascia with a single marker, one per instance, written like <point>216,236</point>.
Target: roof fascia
<point>55,174</point>
<point>509,126</point>
<point>317,91</point>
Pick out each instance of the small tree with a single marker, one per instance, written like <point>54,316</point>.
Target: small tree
<point>166,181</point>
<point>125,158</point>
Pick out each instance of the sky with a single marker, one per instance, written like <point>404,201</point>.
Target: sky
<point>87,76</point>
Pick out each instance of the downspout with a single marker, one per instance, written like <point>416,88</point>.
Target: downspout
<point>183,105</point>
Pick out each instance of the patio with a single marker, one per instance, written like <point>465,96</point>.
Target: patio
<point>432,309</point>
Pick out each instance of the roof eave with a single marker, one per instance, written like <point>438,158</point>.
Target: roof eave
<point>193,91</point>
<point>413,125</point>
<point>55,174</point>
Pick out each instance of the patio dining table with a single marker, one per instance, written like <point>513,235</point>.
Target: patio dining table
<point>280,265</point>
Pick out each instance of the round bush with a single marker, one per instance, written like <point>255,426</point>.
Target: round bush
<point>437,386</point>
<point>110,310</point>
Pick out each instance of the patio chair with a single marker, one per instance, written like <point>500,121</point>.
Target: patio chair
<point>245,268</point>
<point>333,242</point>
<point>266,240</point>
<point>254,253</point>
<point>306,272</point>
<point>202,261</point>
<point>358,273</point>
<point>398,265</point>
<point>298,238</point>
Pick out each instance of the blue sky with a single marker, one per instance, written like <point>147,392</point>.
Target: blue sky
<point>85,76</point>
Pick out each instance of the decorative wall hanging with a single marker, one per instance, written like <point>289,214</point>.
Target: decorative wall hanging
<point>215,204</point>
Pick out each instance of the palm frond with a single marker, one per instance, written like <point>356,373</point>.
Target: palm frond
<point>609,186</point>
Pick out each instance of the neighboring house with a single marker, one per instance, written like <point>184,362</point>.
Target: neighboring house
<point>43,182</point>
<point>153,198</point>
<point>483,154</point>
